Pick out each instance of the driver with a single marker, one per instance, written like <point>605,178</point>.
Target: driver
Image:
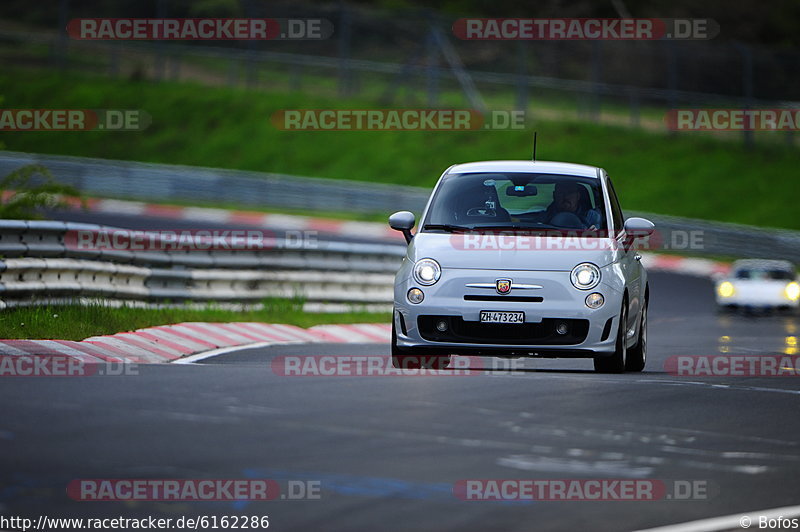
<point>567,206</point>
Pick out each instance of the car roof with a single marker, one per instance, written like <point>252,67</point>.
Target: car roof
<point>544,167</point>
<point>763,263</point>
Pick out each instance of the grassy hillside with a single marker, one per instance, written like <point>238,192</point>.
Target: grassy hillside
<point>684,174</point>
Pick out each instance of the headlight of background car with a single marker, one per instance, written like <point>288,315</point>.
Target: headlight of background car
<point>726,289</point>
<point>427,272</point>
<point>792,291</point>
<point>585,276</point>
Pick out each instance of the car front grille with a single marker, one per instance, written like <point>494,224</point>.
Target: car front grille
<point>474,332</point>
<point>515,299</point>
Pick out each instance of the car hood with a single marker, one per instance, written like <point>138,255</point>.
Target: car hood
<point>510,252</point>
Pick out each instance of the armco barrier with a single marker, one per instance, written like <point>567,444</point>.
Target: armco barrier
<point>164,182</point>
<point>37,265</point>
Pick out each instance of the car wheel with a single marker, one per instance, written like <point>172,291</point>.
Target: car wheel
<point>406,359</point>
<point>637,355</point>
<point>616,362</point>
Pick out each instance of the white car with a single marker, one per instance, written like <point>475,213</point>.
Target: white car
<point>518,259</point>
<point>758,284</point>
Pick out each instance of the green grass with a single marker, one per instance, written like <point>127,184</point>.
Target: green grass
<point>684,174</point>
<point>75,322</point>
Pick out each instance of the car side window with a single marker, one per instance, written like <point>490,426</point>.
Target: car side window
<point>616,210</point>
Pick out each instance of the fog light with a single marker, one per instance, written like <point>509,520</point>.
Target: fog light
<point>595,300</point>
<point>415,295</point>
<point>441,326</point>
<point>562,328</point>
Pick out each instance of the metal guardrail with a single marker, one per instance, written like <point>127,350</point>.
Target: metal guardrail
<point>162,182</point>
<point>701,237</point>
<point>40,263</point>
<point>165,182</point>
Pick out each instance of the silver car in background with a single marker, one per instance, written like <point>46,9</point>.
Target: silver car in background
<point>521,259</point>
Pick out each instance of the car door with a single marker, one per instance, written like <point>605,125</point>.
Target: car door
<point>630,260</point>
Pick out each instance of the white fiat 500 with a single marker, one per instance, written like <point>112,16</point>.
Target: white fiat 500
<point>521,259</point>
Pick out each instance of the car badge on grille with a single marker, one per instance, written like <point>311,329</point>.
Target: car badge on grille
<point>503,286</point>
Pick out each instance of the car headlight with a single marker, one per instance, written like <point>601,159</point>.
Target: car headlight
<point>585,276</point>
<point>427,272</point>
<point>792,291</point>
<point>726,289</point>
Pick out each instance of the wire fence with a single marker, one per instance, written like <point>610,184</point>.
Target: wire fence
<point>412,57</point>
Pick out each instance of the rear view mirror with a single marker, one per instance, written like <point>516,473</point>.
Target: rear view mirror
<point>403,221</point>
<point>521,191</point>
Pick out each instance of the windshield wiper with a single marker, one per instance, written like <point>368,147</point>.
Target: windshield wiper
<point>445,227</point>
<point>539,227</point>
<point>506,227</point>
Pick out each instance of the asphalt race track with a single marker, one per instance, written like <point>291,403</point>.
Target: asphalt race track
<point>386,451</point>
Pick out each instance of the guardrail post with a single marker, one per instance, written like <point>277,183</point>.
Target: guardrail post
<point>113,62</point>
<point>344,50</point>
<point>522,80</point>
<point>432,69</point>
<point>672,75</point>
<point>597,78</point>
<point>747,88</point>
<point>160,59</point>
<point>251,70</point>
<point>62,59</point>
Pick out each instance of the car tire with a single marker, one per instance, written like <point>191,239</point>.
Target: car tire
<point>637,355</point>
<point>616,362</point>
<point>406,359</point>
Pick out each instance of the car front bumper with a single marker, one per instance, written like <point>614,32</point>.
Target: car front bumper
<point>591,332</point>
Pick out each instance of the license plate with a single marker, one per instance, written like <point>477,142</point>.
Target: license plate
<point>492,316</point>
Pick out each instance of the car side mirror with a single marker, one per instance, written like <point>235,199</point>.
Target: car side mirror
<point>403,221</point>
<point>639,227</point>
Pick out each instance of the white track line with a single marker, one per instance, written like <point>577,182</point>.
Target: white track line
<point>729,522</point>
<point>220,351</point>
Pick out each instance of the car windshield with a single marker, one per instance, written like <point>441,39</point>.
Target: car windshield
<point>765,274</point>
<point>527,201</point>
